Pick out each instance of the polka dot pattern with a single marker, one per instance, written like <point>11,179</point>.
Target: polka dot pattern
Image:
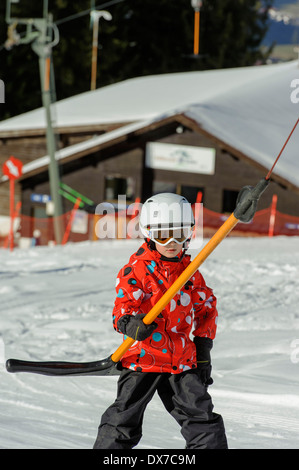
<point>139,286</point>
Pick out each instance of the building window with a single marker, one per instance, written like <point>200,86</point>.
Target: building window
<point>164,187</point>
<point>116,186</point>
<point>229,200</point>
<point>191,193</point>
<point>39,212</point>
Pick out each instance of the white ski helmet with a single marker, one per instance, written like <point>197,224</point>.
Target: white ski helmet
<point>166,217</point>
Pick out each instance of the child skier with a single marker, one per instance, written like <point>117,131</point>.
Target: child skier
<point>163,357</point>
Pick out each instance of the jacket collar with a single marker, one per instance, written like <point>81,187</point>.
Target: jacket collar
<point>148,254</point>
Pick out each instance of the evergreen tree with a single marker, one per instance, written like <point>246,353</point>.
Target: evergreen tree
<point>156,36</point>
<point>231,32</point>
<point>148,37</point>
<point>19,68</point>
<point>144,37</point>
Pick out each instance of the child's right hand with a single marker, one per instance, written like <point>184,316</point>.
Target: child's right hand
<point>134,327</point>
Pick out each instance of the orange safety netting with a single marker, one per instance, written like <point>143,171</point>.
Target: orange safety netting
<point>78,226</point>
<point>283,224</point>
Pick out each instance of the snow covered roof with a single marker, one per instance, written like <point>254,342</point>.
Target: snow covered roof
<point>248,108</point>
<point>83,147</point>
<point>142,98</point>
<point>257,118</point>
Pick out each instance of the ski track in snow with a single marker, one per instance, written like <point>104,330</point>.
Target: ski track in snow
<point>56,304</point>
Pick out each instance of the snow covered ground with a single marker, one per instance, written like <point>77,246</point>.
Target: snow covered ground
<point>56,304</point>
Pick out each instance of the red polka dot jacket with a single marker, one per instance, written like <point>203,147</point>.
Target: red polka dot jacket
<point>140,284</point>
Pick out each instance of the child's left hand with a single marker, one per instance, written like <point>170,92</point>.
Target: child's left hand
<point>203,356</point>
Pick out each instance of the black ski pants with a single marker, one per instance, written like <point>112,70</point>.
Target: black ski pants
<point>184,397</point>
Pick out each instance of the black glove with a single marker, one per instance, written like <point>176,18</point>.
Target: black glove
<point>203,357</point>
<point>134,327</point>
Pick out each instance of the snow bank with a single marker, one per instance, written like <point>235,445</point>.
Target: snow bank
<point>56,304</point>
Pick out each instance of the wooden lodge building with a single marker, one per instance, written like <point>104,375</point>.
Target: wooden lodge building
<point>212,131</point>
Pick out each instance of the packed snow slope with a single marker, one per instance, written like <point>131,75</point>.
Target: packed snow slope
<point>56,305</point>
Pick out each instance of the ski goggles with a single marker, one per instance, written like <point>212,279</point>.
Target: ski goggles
<point>165,236</point>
